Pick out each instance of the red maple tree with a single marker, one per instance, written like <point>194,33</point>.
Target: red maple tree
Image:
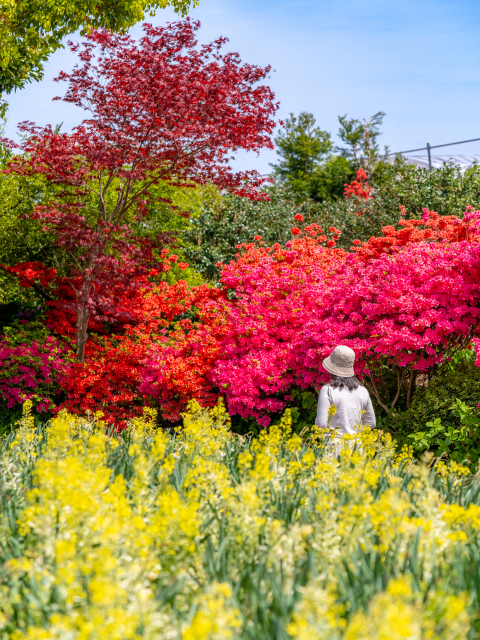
<point>162,109</point>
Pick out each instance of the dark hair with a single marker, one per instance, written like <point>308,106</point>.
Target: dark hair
<point>339,382</point>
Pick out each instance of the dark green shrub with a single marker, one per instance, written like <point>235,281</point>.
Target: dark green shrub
<point>9,417</point>
<point>444,417</point>
<point>213,236</point>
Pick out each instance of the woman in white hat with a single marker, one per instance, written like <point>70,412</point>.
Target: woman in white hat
<point>353,406</point>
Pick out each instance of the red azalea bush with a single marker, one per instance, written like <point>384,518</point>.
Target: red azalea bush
<point>178,368</point>
<point>114,378</point>
<point>431,228</point>
<point>145,318</point>
<point>358,188</point>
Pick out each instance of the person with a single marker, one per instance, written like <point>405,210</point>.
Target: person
<point>353,406</point>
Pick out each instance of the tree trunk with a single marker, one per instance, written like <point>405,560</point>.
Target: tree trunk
<point>83,316</point>
<point>411,383</point>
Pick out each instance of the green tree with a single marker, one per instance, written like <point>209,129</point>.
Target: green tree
<point>31,30</point>
<point>328,181</point>
<point>306,163</point>
<point>360,138</point>
<point>301,147</point>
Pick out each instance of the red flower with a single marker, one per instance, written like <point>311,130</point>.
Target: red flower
<point>296,231</point>
<point>299,217</point>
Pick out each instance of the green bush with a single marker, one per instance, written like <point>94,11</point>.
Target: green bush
<point>447,190</point>
<point>444,417</point>
<point>225,223</point>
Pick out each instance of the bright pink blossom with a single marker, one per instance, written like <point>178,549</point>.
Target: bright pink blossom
<point>32,371</point>
<point>403,312</point>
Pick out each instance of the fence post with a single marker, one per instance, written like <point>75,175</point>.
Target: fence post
<point>429,157</point>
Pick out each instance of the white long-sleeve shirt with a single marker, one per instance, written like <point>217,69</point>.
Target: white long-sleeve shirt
<point>350,408</point>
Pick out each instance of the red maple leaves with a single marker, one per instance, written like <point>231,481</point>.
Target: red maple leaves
<point>162,109</point>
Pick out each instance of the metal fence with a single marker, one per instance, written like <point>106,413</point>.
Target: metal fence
<point>429,147</point>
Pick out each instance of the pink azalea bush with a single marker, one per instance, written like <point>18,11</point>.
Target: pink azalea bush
<point>273,293</point>
<point>404,312</point>
<point>32,368</point>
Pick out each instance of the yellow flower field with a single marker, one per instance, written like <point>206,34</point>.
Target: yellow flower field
<point>206,535</point>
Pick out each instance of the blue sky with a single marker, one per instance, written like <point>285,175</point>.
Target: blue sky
<point>417,60</point>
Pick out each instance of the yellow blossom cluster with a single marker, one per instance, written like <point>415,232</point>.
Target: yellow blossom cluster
<point>202,534</point>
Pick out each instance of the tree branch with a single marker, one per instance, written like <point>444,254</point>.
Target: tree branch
<point>377,395</point>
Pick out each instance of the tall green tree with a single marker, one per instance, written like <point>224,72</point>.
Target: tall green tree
<point>31,30</point>
<point>306,163</point>
<point>360,140</point>
<point>301,147</point>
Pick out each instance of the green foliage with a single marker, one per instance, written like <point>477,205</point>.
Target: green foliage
<point>444,417</point>
<point>360,138</point>
<point>459,443</point>
<point>31,30</point>
<point>447,190</point>
<point>9,417</point>
<point>228,221</point>
<point>328,182</point>
<point>21,238</point>
<point>306,164</point>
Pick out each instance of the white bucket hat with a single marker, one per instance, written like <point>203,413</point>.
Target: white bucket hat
<point>340,362</point>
